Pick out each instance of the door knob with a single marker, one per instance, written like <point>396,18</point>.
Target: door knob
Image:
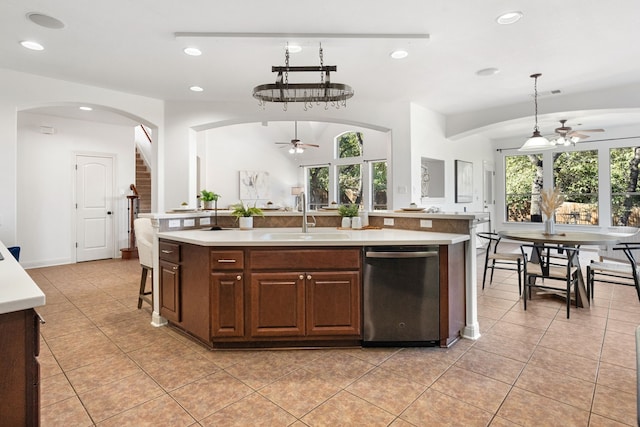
<point>108,212</point>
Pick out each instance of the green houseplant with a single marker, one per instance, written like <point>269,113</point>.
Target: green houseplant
<point>245,215</point>
<point>208,197</point>
<point>349,210</point>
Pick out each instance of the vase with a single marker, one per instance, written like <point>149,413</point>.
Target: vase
<point>208,204</point>
<point>346,222</point>
<point>356,222</point>
<point>550,226</point>
<point>246,222</point>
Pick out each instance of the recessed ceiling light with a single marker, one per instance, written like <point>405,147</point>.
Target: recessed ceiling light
<point>196,89</point>
<point>294,48</point>
<point>192,51</point>
<point>83,108</point>
<point>31,45</point>
<point>487,72</point>
<point>509,18</point>
<point>45,20</point>
<point>399,54</point>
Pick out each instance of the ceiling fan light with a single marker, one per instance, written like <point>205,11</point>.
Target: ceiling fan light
<point>292,150</point>
<point>299,150</point>
<point>574,139</point>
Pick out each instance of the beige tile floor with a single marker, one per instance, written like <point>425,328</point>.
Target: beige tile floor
<point>102,363</point>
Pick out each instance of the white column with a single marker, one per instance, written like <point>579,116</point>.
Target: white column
<point>472,328</point>
<point>156,319</point>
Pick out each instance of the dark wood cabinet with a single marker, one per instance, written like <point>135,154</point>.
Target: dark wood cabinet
<point>170,290</point>
<point>20,370</point>
<point>277,304</point>
<point>227,293</point>
<point>333,303</point>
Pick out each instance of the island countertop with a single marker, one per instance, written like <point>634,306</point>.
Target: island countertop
<point>17,290</point>
<point>322,236</point>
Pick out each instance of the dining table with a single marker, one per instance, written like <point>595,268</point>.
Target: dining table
<point>568,238</point>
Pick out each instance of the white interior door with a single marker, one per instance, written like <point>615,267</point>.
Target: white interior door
<point>488,193</point>
<point>94,210</point>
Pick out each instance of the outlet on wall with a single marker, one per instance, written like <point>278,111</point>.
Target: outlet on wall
<point>426,223</point>
<point>388,221</point>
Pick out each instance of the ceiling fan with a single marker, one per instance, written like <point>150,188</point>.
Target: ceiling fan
<point>296,146</point>
<point>568,136</point>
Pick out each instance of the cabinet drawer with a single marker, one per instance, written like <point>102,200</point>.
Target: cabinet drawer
<point>305,259</point>
<point>169,251</point>
<point>227,260</point>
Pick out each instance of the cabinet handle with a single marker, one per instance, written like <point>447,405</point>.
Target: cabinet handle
<point>175,268</point>
<point>165,251</point>
<point>308,277</point>
<point>238,277</point>
<point>228,261</point>
<point>301,277</point>
<point>40,319</point>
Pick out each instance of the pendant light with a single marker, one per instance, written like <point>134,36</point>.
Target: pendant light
<point>536,142</point>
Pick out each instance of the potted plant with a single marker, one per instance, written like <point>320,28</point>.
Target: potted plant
<point>347,212</point>
<point>245,215</point>
<point>208,197</point>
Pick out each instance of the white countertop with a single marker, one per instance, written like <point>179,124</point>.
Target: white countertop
<point>322,236</point>
<point>475,216</point>
<point>17,290</point>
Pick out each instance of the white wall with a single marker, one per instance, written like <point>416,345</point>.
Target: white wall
<point>231,149</point>
<point>182,118</point>
<point>46,183</point>
<point>428,140</point>
<point>22,91</point>
<point>251,146</point>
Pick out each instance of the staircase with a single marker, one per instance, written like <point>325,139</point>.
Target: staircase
<point>143,184</point>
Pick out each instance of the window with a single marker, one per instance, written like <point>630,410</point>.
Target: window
<point>523,179</point>
<point>625,199</point>
<point>352,179</point>
<point>575,173</point>
<point>379,185</point>
<point>318,186</point>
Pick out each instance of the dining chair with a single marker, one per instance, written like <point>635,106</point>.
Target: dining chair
<point>618,272</point>
<point>550,264</point>
<point>144,242</point>
<point>499,260</point>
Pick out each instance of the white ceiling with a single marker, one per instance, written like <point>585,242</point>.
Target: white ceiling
<point>578,45</point>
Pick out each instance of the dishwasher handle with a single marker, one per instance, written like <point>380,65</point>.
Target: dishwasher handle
<point>411,254</point>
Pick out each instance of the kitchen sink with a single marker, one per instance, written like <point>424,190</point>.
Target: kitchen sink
<point>305,236</point>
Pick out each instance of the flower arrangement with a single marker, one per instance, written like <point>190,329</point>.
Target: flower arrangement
<point>240,210</point>
<point>550,200</point>
<point>349,210</point>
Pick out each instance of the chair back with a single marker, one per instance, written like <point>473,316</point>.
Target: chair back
<point>629,235</point>
<point>553,260</point>
<point>144,240</point>
<point>492,240</point>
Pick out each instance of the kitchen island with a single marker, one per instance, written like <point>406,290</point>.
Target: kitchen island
<point>19,343</point>
<point>275,287</point>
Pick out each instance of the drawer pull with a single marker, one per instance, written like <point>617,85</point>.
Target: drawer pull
<point>175,268</point>
<point>301,277</point>
<point>238,277</point>
<point>227,261</point>
<point>166,251</point>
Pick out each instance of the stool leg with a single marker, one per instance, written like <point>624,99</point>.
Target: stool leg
<point>143,283</point>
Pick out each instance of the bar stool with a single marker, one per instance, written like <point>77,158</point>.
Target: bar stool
<point>144,241</point>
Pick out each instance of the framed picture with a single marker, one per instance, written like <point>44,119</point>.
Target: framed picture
<point>254,185</point>
<point>464,182</point>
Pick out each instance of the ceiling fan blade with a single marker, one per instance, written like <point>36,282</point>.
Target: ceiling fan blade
<point>287,143</point>
<point>580,131</point>
<point>308,145</point>
<point>579,135</point>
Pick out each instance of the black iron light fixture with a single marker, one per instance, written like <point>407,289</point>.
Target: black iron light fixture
<point>536,142</point>
<point>331,94</point>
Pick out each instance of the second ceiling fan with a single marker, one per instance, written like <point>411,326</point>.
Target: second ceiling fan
<point>297,146</point>
<point>567,136</point>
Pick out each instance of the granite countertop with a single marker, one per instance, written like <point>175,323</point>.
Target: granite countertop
<point>323,236</point>
<point>17,290</point>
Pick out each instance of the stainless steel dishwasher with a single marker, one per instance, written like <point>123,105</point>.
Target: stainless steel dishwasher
<point>401,295</point>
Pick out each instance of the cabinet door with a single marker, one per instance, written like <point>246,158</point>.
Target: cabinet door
<point>170,290</point>
<point>277,304</point>
<point>333,303</point>
<point>227,304</point>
